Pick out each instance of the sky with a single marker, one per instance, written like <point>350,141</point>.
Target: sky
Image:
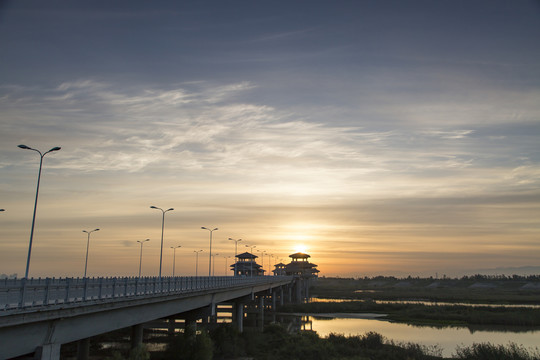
<point>380,137</point>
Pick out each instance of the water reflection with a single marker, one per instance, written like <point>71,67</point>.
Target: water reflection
<point>445,338</point>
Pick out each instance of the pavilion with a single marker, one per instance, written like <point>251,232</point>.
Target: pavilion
<point>299,266</point>
<point>246,265</point>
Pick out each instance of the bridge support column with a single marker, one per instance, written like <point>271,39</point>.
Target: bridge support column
<point>136,335</point>
<point>281,295</point>
<point>290,294</point>
<point>83,349</point>
<point>48,352</point>
<point>171,322</point>
<point>213,314</point>
<point>274,295</point>
<point>240,316</point>
<point>261,310</point>
<point>298,288</point>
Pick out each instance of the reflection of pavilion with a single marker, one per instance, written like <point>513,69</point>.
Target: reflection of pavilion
<point>246,265</point>
<point>299,266</point>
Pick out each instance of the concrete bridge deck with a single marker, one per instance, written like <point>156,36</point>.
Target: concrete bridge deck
<point>39,315</point>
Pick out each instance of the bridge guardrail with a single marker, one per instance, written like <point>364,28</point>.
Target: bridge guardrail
<point>34,293</point>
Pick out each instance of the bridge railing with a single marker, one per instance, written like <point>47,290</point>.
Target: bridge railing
<point>31,293</point>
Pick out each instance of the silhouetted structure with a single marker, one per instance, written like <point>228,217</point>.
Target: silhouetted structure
<point>299,266</point>
<point>246,266</point>
<point>279,269</point>
<point>303,271</point>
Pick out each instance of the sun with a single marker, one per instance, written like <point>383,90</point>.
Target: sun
<point>300,248</point>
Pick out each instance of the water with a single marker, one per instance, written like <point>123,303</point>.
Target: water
<point>447,339</point>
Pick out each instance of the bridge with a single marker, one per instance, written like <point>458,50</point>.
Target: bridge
<point>37,316</point>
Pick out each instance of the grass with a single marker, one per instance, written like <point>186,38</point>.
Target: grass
<point>427,314</point>
<point>471,290</point>
<point>363,294</point>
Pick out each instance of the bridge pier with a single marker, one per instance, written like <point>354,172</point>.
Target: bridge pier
<point>171,322</point>
<point>261,311</point>
<point>48,352</point>
<point>83,349</point>
<point>137,335</point>
<point>239,315</point>
<point>212,314</point>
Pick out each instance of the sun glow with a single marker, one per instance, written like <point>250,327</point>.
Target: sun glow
<point>300,248</point>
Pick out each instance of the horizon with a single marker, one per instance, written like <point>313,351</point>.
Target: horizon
<point>382,138</point>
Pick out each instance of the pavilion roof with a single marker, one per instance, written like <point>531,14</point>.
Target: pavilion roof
<point>299,255</point>
<point>246,255</point>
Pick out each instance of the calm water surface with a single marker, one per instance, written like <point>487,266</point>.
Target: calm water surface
<point>447,338</point>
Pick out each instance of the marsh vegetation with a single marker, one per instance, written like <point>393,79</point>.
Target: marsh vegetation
<point>276,343</point>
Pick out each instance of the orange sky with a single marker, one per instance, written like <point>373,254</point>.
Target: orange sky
<point>379,135</point>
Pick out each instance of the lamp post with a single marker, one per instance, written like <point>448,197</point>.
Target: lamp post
<point>210,255</point>
<point>174,257</point>
<point>35,203</point>
<point>197,262</point>
<point>140,257</point>
<point>251,264</point>
<point>214,265</point>
<point>162,227</point>
<point>235,252</point>
<point>87,246</point>
<point>226,263</point>
<point>262,257</point>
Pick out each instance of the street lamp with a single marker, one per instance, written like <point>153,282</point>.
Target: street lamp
<point>197,262</point>
<point>140,257</point>
<point>226,257</point>
<point>262,257</point>
<point>2,210</point>
<point>35,203</point>
<point>251,265</point>
<point>162,227</point>
<point>210,255</point>
<point>174,257</point>
<point>214,265</point>
<point>235,252</point>
<point>87,245</point>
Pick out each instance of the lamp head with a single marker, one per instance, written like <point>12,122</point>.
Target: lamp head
<point>24,147</point>
<point>170,209</point>
<point>56,148</point>
<point>153,207</point>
